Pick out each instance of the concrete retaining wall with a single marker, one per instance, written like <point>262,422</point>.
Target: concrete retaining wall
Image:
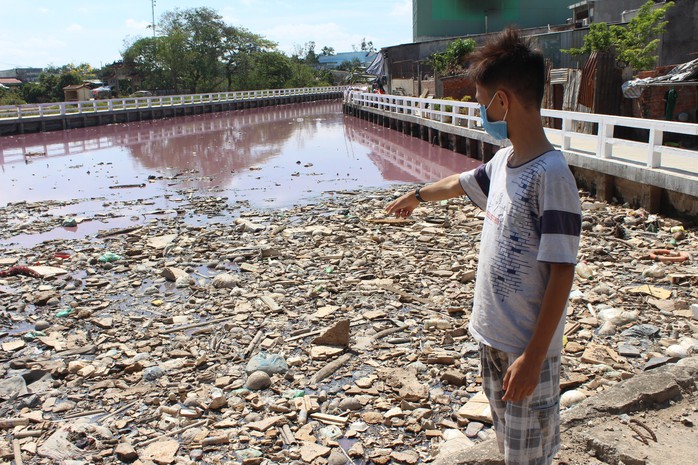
<point>57,123</point>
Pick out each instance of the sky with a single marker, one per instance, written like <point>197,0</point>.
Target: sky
<point>40,33</point>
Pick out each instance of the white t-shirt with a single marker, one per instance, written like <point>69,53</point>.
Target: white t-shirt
<point>533,218</point>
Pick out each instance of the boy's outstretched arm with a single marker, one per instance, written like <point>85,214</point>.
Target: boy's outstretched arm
<point>522,376</point>
<point>446,188</point>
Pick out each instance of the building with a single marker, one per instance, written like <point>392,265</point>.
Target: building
<point>10,82</point>
<point>434,19</point>
<point>333,61</point>
<point>23,74</point>
<point>77,92</point>
<point>586,12</point>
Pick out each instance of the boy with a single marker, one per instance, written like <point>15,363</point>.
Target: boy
<point>529,244</point>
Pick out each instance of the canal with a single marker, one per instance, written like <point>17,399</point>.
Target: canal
<point>272,157</point>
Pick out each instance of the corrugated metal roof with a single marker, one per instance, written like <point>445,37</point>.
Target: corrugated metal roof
<point>683,74</point>
<point>336,60</point>
<point>559,75</point>
<point>76,86</point>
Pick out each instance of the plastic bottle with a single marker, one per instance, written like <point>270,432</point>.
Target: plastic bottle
<point>584,271</point>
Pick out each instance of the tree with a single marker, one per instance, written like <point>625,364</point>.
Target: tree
<point>49,87</point>
<point>350,65</point>
<point>193,38</point>
<point>197,52</point>
<point>367,46</point>
<point>238,46</point>
<point>143,58</point>
<point>305,53</point>
<point>327,51</point>
<point>634,45</point>
<point>452,60</point>
<point>271,70</point>
<point>10,97</point>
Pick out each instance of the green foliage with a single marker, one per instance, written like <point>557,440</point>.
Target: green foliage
<point>238,46</point>
<point>452,60</point>
<point>601,38</point>
<point>10,97</point>
<point>635,44</point>
<point>49,87</point>
<point>191,48</point>
<point>271,70</point>
<point>350,65</point>
<point>327,51</point>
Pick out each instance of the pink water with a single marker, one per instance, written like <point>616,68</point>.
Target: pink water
<point>271,157</point>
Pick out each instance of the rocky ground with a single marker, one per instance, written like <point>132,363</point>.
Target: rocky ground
<point>323,333</point>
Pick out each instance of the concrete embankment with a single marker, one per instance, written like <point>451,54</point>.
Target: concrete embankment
<point>11,126</point>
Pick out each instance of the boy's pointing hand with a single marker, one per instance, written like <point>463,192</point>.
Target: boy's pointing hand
<point>403,206</point>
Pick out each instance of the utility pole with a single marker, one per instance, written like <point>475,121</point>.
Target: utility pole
<point>152,7</point>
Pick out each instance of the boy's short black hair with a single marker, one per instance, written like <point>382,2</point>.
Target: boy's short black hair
<point>509,60</point>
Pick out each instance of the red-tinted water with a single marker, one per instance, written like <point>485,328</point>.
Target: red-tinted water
<point>270,157</point>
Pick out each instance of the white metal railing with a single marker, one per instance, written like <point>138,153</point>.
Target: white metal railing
<point>131,103</point>
<point>603,144</point>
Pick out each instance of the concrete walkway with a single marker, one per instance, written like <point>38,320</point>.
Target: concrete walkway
<point>636,153</point>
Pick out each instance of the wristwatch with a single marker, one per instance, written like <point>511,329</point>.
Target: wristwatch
<point>419,196</point>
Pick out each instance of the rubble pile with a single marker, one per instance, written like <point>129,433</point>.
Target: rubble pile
<point>325,333</point>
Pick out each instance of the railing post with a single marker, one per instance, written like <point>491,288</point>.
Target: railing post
<point>566,137</point>
<point>110,105</point>
<point>654,148</point>
<point>604,149</point>
<point>471,116</point>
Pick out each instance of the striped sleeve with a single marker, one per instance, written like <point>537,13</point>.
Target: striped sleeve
<point>561,217</point>
<point>476,185</point>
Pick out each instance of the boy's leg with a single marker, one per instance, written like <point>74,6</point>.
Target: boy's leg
<point>494,365</point>
<point>529,431</point>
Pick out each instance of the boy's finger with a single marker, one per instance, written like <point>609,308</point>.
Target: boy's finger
<point>505,382</point>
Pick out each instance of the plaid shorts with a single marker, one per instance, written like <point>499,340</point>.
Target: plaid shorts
<point>528,432</point>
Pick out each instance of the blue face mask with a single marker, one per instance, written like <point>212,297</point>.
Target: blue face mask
<point>496,129</point>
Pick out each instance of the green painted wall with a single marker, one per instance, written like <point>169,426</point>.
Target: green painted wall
<point>446,18</point>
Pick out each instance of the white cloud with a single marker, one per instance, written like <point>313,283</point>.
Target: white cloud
<point>33,51</point>
<point>43,11</point>
<point>137,25</point>
<point>229,16</point>
<point>74,28</point>
<point>402,9</point>
<point>330,34</point>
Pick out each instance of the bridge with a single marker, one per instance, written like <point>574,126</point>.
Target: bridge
<point>647,173</point>
<point>20,119</point>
